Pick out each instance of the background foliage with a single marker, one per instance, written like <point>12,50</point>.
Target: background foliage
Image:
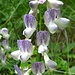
<point>61,51</point>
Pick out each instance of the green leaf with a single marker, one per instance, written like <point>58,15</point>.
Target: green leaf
<point>69,47</point>
<point>72,69</point>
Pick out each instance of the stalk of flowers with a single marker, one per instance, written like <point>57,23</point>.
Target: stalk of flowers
<point>54,22</point>
<point>4,44</point>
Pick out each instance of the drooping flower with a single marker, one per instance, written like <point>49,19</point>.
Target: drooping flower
<point>49,63</point>
<point>30,24</point>
<point>38,68</point>
<point>20,72</point>
<point>54,21</point>
<point>24,52</point>
<point>42,38</point>
<point>56,4</point>
<point>4,33</point>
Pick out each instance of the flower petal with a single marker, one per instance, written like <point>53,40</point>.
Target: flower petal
<point>25,45</point>
<point>38,67</point>
<point>15,54</point>
<point>52,27</point>
<point>27,72</point>
<point>30,21</point>
<point>43,37</point>
<point>55,4</point>
<point>42,48</point>
<point>24,56</point>
<point>5,44</point>
<point>28,32</point>
<point>62,22</point>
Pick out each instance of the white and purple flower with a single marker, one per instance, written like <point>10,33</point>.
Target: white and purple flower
<point>53,21</point>
<point>38,68</point>
<point>4,33</point>
<point>49,63</point>
<point>30,24</point>
<point>42,38</point>
<point>24,52</point>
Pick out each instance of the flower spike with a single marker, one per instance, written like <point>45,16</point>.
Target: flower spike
<point>38,68</point>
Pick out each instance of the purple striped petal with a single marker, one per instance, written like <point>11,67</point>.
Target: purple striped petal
<point>19,71</point>
<point>50,15</point>
<point>38,67</point>
<point>25,45</point>
<point>43,37</point>
<point>30,21</point>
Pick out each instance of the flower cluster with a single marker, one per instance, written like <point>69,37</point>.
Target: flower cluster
<point>53,21</point>
<point>4,44</point>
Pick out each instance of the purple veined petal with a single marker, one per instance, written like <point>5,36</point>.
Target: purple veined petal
<point>33,4</point>
<point>38,67</point>
<point>51,64</point>
<point>42,37</point>
<point>41,1</point>
<point>33,12</point>
<point>19,43</point>
<point>29,21</point>
<point>15,54</point>
<point>19,71</point>
<point>50,15</point>
<point>25,45</point>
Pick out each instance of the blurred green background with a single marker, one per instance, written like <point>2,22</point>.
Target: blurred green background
<point>11,17</point>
